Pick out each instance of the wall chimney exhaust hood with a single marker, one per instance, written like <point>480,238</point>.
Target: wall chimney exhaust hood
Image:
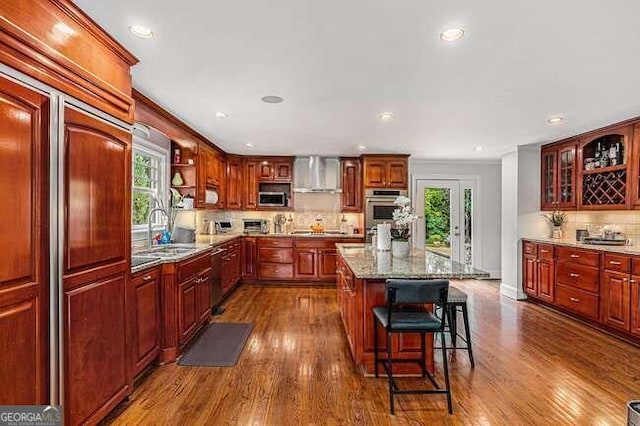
<point>317,174</point>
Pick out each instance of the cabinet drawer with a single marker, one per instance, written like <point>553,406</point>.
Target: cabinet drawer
<point>617,262</point>
<point>276,255</point>
<point>635,265</point>
<point>578,301</point>
<point>582,257</point>
<point>529,248</point>
<point>578,276</point>
<point>546,251</point>
<point>190,267</point>
<point>145,276</point>
<point>275,242</point>
<point>276,271</point>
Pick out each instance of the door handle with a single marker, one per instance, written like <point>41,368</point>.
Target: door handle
<point>613,262</point>
<point>544,251</point>
<point>147,278</point>
<point>574,275</point>
<point>574,300</point>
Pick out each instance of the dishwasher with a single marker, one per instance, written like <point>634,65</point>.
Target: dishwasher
<point>216,280</point>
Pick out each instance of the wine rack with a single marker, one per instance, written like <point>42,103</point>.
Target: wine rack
<point>605,188</point>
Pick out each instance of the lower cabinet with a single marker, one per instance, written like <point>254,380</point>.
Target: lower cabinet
<point>616,297</point>
<point>600,286</point>
<point>231,266</point>
<point>145,320</point>
<point>187,310</point>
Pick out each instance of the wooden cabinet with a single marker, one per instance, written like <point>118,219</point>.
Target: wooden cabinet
<point>275,169</point>
<point>231,265</point>
<point>558,176</point>
<point>598,170</point>
<point>327,264</point>
<point>635,167</point>
<point>234,183</point>
<point>211,176</point>
<point>539,271</point>
<point>386,171</point>
<point>193,277</point>
<point>145,321</point>
<point>616,296</point>
<point>306,266</point>
<point>96,266</point>
<point>275,258</point>
<point>250,184</point>
<point>351,185</point>
<point>24,132</point>
<point>249,258</point>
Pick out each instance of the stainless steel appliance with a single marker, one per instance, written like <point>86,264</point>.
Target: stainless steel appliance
<point>255,226</point>
<point>379,205</point>
<point>272,199</point>
<point>223,226</point>
<point>317,174</point>
<point>216,278</point>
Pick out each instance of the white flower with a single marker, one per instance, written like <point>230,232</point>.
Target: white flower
<point>402,201</point>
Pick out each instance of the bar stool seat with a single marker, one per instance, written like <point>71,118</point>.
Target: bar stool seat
<point>457,298</point>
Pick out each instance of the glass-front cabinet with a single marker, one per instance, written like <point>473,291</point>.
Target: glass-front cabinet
<point>558,176</point>
<point>605,169</point>
<point>548,184</point>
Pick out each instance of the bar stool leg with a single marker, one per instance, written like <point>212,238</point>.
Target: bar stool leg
<point>465,317</point>
<point>453,324</point>
<point>375,344</point>
<point>446,376</point>
<point>390,373</point>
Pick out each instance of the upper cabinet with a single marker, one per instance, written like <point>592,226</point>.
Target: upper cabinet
<point>56,43</point>
<point>351,185</point>
<point>605,168</point>
<point>388,171</point>
<point>234,183</point>
<point>595,171</point>
<point>276,170</point>
<point>558,176</point>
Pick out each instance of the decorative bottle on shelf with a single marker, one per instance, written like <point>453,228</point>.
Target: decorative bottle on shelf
<point>597,155</point>
<point>177,180</point>
<point>604,156</point>
<point>176,156</point>
<point>619,157</point>
<point>613,155</point>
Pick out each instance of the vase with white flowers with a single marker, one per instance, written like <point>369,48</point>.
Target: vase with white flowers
<point>403,217</point>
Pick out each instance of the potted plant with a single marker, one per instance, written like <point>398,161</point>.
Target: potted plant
<point>557,219</point>
<point>403,217</point>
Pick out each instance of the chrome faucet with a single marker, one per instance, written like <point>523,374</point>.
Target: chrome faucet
<point>157,209</point>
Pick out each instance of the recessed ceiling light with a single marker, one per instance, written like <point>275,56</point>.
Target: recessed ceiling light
<point>452,34</point>
<point>478,148</point>
<point>221,114</point>
<point>555,120</point>
<point>361,147</point>
<point>248,145</point>
<point>271,99</point>
<point>385,116</point>
<point>140,31</point>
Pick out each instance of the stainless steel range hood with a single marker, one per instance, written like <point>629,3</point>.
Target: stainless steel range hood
<point>317,174</point>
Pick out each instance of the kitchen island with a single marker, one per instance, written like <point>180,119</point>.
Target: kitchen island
<point>362,273</point>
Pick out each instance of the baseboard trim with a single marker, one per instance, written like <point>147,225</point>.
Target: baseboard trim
<point>509,291</point>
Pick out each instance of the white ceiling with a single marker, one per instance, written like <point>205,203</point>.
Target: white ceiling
<point>338,64</point>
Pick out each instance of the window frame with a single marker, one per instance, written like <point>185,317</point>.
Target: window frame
<point>160,154</point>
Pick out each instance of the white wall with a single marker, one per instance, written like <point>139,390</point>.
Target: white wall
<point>487,175</point>
<point>521,215</point>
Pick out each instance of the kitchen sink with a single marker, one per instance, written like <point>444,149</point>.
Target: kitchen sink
<point>166,251</point>
<point>141,260</point>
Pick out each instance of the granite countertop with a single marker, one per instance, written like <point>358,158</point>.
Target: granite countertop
<point>205,242</point>
<point>634,249</point>
<point>152,259</point>
<point>368,263</point>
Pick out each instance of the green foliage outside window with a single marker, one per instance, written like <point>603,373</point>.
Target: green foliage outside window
<point>436,213</point>
<point>144,188</point>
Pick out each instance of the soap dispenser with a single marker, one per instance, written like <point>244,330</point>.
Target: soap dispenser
<point>344,225</point>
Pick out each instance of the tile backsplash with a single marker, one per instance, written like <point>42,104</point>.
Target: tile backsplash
<point>627,222</point>
<point>302,219</point>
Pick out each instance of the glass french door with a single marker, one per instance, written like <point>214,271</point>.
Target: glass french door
<point>445,224</point>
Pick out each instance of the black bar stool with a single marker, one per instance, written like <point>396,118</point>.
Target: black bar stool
<point>458,299</point>
<point>405,313</point>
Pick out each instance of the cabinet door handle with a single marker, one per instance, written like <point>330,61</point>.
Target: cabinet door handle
<point>632,281</point>
<point>574,300</point>
<point>575,256</point>
<point>147,278</point>
<point>613,262</point>
<point>624,279</point>
<point>574,275</point>
<point>544,251</point>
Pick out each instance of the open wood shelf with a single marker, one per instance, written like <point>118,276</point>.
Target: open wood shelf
<point>605,169</point>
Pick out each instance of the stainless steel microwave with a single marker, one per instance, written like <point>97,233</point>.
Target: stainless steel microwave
<point>272,199</point>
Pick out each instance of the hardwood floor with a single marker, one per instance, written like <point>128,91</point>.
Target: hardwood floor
<point>533,366</point>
